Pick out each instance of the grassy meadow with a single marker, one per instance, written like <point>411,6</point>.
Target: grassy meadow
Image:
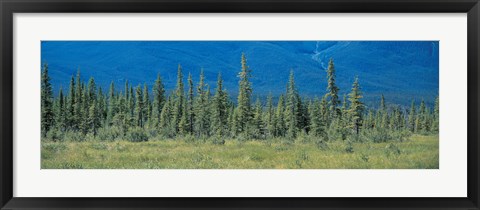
<point>416,152</point>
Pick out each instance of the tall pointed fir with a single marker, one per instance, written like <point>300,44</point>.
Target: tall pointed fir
<point>208,110</point>
<point>244,110</point>
<point>102,106</point>
<point>201,115</point>
<point>158,100</point>
<point>166,118</point>
<point>436,115</point>
<point>85,107</point>
<point>78,102</point>
<point>258,125</point>
<point>147,108</point>
<point>120,118</point>
<point>280,117</point>
<point>317,125</point>
<point>190,105</point>
<point>111,104</point>
<point>93,120</point>
<point>356,107</point>
<point>421,117</point>
<point>71,104</point>
<point>47,115</point>
<point>412,117</point>
<point>219,109</point>
<point>179,97</point>
<point>130,119</point>
<point>60,111</point>
<point>270,117</point>
<point>91,91</point>
<point>183,124</point>
<point>383,113</point>
<point>139,107</point>
<point>291,111</point>
<point>332,91</point>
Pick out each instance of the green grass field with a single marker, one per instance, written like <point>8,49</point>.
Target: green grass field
<point>418,152</point>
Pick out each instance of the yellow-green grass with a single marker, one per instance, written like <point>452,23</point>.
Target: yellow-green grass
<point>418,152</point>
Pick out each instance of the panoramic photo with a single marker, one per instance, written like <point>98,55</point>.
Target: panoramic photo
<point>239,104</point>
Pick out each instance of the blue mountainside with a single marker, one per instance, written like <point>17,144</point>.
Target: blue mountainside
<point>401,70</point>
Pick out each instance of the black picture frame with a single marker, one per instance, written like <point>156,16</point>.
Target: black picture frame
<point>9,7</point>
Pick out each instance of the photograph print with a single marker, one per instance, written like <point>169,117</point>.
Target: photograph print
<point>239,104</point>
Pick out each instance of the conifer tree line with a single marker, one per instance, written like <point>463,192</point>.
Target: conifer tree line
<point>197,110</point>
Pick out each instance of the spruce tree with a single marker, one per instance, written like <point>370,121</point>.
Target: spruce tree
<point>280,117</point>
<point>190,105</point>
<point>332,90</point>
<point>78,102</point>
<point>219,109</point>
<point>179,98</point>
<point>383,113</point>
<point>201,115</point>
<point>421,122</point>
<point>183,127</point>
<point>130,119</point>
<point>231,115</point>
<point>91,92</point>
<point>139,107</point>
<point>317,125</point>
<point>370,120</point>
<point>84,124</point>
<point>436,115</point>
<point>165,117</point>
<point>112,108</point>
<point>47,116</point>
<point>147,108</point>
<point>60,111</point>
<point>292,111</point>
<point>324,110</point>
<point>244,110</point>
<point>102,106</point>
<point>258,125</point>
<point>270,116</point>
<point>93,120</point>
<point>356,107</point>
<point>120,118</point>
<point>412,117</point>
<point>71,104</point>
<point>158,100</point>
<point>208,110</point>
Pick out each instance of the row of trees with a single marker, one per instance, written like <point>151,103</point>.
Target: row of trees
<point>197,112</point>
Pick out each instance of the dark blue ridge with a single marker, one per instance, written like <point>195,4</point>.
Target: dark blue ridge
<point>401,70</point>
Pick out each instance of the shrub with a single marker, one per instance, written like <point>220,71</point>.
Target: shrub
<point>348,146</point>
<point>109,134</point>
<point>303,138</point>
<point>321,144</point>
<point>401,136</point>
<point>189,138</point>
<point>55,135</point>
<point>152,133</point>
<point>218,140</point>
<point>378,135</point>
<point>136,135</point>
<point>336,132</point>
<point>242,137</point>
<point>74,136</point>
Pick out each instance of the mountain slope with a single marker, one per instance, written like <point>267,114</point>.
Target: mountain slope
<point>400,70</point>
